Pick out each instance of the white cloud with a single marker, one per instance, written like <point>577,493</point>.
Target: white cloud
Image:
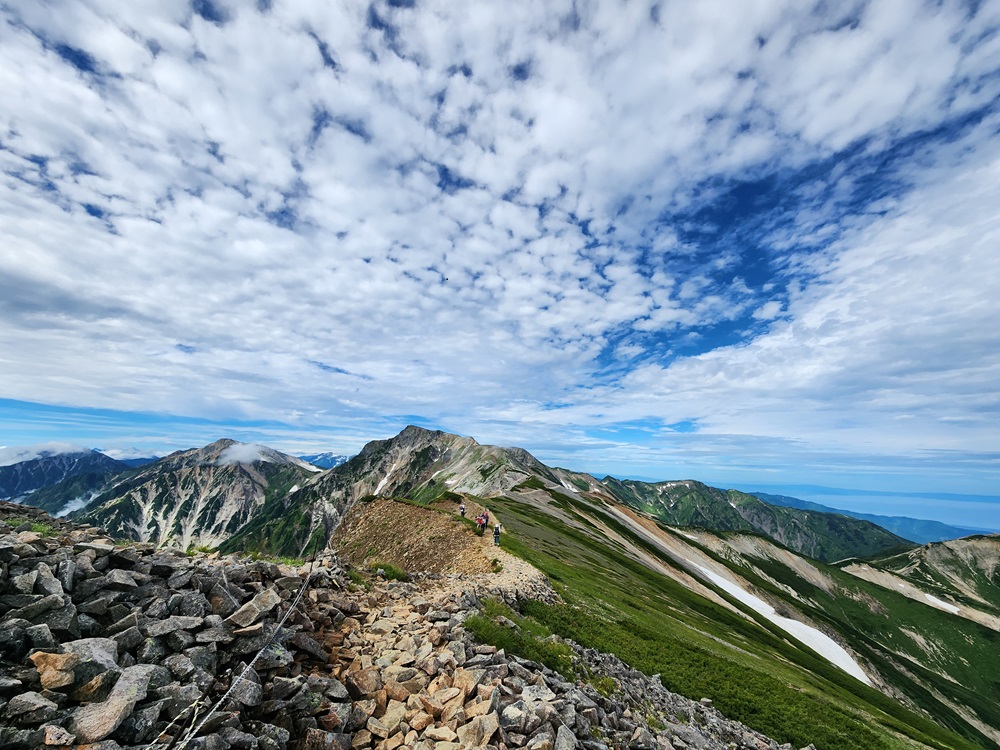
<point>17,454</point>
<point>451,241</point>
<point>243,453</point>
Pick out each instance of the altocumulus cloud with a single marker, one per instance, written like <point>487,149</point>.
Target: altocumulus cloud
<point>528,222</point>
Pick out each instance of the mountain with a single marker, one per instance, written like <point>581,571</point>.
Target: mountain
<point>422,465</point>
<point>25,470</point>
<point>719,595</point>
<point>325,460</point>
<point>722,594</point>
<point>824,536</point>
<point>914,529</point>
<point>197,497</point>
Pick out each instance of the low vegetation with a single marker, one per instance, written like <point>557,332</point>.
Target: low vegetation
<point>522,636</point>
<point>35,526</point>
<point>388,570</point>
<point>701,649</point>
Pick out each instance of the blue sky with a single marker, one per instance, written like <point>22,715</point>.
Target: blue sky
<point>752,244</point>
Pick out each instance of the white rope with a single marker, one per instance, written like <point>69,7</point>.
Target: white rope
<point>193,732</point>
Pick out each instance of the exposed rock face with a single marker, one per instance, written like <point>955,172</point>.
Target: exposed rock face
<point>127,646</point>
<point>198,497</point>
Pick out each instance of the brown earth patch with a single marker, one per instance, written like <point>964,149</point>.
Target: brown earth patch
<point>431,540</point>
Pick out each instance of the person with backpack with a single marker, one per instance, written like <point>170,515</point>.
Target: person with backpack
<point>496,535</point>
<point>461,509</point>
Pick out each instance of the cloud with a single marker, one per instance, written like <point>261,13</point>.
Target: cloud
<point>243,453</point>
<point>775,222</point>
<point>16,454</point>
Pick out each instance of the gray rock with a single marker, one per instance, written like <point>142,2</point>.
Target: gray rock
<point>96,655</point>
<point>171,624</point>
<point>256,608</point>
<point>565,739</point>
<point>248,690</point>
<point>30,708</point>
<point>95,721</point>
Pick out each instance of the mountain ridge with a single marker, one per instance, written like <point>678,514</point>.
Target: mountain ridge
<point>920,531</point>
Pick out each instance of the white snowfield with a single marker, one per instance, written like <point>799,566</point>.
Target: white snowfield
<point>819,642</point>
<point>942,605</point>
<point>16,454</point>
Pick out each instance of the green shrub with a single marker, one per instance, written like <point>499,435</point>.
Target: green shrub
<point>392,572</point>
<point>529,640</point>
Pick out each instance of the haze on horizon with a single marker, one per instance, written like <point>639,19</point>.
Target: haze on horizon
<point>655,239</point>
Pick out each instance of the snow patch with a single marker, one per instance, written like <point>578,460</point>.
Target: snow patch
<point>244,453</point>
<point>16,454</point>
<point>819,642</point>
<point>942,605</point>
<point>306,465</point>
<point>381,484</point>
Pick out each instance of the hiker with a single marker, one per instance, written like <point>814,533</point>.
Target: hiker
<point>496,535</point>
<point>481,523</point>
<point>461,509</point>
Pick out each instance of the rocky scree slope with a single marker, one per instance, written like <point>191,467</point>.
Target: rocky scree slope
<point>110,646</point>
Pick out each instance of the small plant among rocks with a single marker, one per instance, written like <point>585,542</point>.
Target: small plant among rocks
<point>389,571</point>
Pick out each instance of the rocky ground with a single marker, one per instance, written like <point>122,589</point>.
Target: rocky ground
<point>107,646</point>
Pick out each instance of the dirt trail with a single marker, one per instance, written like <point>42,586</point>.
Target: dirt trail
<point>436,540</point>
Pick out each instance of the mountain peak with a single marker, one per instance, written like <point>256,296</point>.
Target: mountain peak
<point>17,454</point>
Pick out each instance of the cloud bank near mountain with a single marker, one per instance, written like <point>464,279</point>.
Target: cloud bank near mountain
<point>663,239</point>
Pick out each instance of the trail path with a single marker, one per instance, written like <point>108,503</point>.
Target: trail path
<point>422,540</point>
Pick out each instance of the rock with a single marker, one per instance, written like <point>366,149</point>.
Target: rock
<point>479,731</point>
<point>317,739</point>
<point>394,714</point>
<point>254,609</point>
<point>440,734</point>
<point>642,739</point>
<point>537,693</point>
<point>12,738</point>
<point>95,721</point>
<point>565,739</point>
<point>248,690</point>
<point>96,656</point>
<point>171,624</point>
<point>514,717</point>
<point>363,682</point>
<point>54,670</point>
<point>56,735</point>
<point>30,708</point>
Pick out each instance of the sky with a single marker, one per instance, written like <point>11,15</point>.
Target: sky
<point>750,243</point>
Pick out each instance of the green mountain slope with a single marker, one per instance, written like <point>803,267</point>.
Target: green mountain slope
<point>825,536</point>
<point>639,590</point>
<point>913,529</point>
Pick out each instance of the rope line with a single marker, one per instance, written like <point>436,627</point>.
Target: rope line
<point>194,731</point>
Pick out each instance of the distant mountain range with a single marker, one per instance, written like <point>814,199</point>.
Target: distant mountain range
<point>325,460</point>
<point>915,529</point>
<point>25,470</point>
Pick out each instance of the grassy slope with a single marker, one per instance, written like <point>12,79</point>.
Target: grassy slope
<point>701,649</point>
